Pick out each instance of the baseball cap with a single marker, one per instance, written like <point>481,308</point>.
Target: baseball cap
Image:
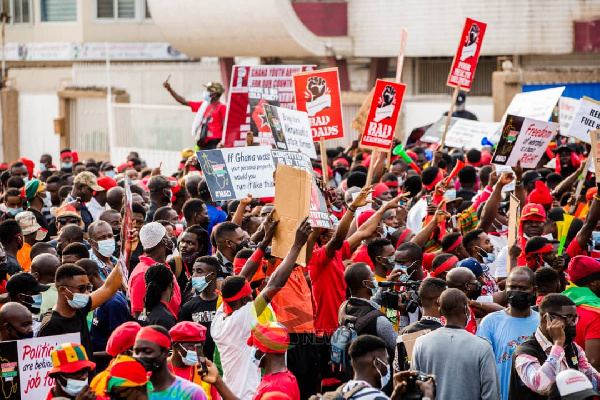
<point>24,282</point>
<point>86,178</point>
<point>29,225</point>
<point>107,182</point>
<point>67,211</point>
<point>188,331</point>
<point>581,267</point>
<point>531,176</point>
<point>214,87</point>
<point>106,165</point>
<point>70,358</point>
<point>159,182</point>
<point>571,384</point>
<point>475,266</point>
<point>122,338</point>
<point>533,212</point>
<point>365,215</point>
<point>151,234</point>
<point>187,152</point>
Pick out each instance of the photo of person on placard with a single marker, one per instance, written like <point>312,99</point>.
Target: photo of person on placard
<point>470,47</point>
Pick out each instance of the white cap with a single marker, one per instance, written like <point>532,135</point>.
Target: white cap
<point>574,385</point>
<point>151,234</point>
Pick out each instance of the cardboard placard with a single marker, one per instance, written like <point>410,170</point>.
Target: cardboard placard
<point>595,150</point>
<point>586,119</point>
<point>25,366</point>
<point>463,67</point>
<point>318,94</point>
<point>259,98</point>
<point>434,133</point>
<point>523,139</point>
<point>319,215</point>
<point>291,207</point>
<point>232,174</point>
<point>290,130</point>
<point>237,118</point>
<point>409,341</point>
<point>381,122</point>
<point>514,214</point>
<point>567,108</point>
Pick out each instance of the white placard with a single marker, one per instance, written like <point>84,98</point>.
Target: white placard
<point>586,119</point>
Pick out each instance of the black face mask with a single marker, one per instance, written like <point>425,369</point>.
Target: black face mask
<point>205,224</point>
<point>520,300</point>
<point>570,333</point>
<point>240,246</point>
<point>17,335</point>
<point>189,258</point>
<point>474,294</point>
<point>149,364</point>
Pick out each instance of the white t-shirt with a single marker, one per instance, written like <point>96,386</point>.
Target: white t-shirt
<point>230,335</point>
<point>416,215</point>
<point>499,241</point>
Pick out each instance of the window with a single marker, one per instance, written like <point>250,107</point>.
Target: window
<point>115,9</point>
<point>59,10</point>
<point>19,11</point>
<point>147,16</point>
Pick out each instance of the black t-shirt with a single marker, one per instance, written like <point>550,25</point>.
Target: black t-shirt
<point>161,315</point>
<point>12,265</point>
<point>201,312</point>
<point>55,324</point>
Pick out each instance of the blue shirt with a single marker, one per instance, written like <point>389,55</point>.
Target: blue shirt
<point>107,318</point>
<point>216,216</point>
<point>505,333</point>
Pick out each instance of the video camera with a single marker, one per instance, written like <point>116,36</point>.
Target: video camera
<point>403,292</point>
<point>412,391</point>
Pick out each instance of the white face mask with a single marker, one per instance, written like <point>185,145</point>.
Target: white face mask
<point>74,386</point>
<point>206,95</point>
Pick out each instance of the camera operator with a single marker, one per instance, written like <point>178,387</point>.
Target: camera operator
<point>409,385</point>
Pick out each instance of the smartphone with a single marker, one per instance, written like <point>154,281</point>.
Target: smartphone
<point>201,358</point>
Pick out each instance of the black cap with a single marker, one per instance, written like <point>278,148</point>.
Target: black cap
<point>531,176</point>
<point>24,282</point>
<point>159,182</point>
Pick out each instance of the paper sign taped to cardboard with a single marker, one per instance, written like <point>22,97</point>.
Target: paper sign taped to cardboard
<point>290,130</point>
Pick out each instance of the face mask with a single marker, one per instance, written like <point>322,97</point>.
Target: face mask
<point>110,174</point>
<point>67,165</point>
<point>256,361</point>
<point>385,379</point>
<point>47,201</point>
<point>199,283</point>
<point>474,294</point>
<point>375,287</point>
<point>390,230</point>
<point>168,196</point>
<point>519,300</point>
<point>106,247</point>
<point>189,258</point>
<point>570,333</point>
<point>206,95</point>
<point>240,246</point>
<point>336,209</point>
<point>14,211</point>
<point>43,167</point>
<point>26,179</point>
<point>19,335</point>
<point>74,386</point>
<point>80,300</point>
<point>385,231</point>
<point>191,358</point>
<point>487,258</point>
<point>148,363</point>
<point>400,182</point>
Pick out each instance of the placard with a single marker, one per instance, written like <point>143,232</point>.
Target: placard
<point>513,219</point>
<point>567,108</point>
<point>290,130</point>
<point>586,119</point>
<point>318,94</point>
<point>409,340</point>
<point>259,98</point>
<point>26,364</point>
<point>523,139</point>
<point>125,230</point>
<point>434,133</point>
<point>462,133</point>
<point>237,118</point>
<point>232,174</point>
<point>463,67</point>
<point>595,150</point>
<point>383,115</point>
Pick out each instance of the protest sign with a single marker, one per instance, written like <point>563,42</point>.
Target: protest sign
<point>465,61</point>
<point>462,133</point>
<point>291,207</point>
<point>434,133</point>
<point>586,119</point>
<point>258,98</point>
<point>290,130</point>
<point>383,115</point>
<point>567,108</point>
<point>26,363</point>
<point>400,64</point>
<point>500,169</point>
<point>319,215</point>
<point>234,173</point>
<point>523,139</point>
<point>237,119</point>
<point>513,219</point>
<point>409,340</point>
<point>595,150</point>
<point>318,94</point>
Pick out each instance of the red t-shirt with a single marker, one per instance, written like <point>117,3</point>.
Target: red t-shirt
<point>283,382</point>
<point>137,287</point>
<point>573,249</point>
<point>361,255</point>
<point>217,118</point>
<point>329,287</point>
<point>588,326</point>
<point>472,323</point>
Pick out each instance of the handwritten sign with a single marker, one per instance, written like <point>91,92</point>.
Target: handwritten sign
<point>383,115</point>
<point>567,108</point>
<point>290,130</point>
<point>467,55</point>
<point>586,119</point>
<point>462,133</point>
<point>523,139</point>
<point>233,173</point>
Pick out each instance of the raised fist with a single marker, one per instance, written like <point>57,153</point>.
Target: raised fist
<point>316,86</point>
<point>388,96</point>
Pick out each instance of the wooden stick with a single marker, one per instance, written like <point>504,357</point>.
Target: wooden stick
<point>588,163</point>
<point>324,162</point>
<point>374,155</point>
<point>452,104</point>
<point>389,159</point>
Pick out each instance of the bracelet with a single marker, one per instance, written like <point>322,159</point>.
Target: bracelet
<point>350,209</point>
<point>597,198</point>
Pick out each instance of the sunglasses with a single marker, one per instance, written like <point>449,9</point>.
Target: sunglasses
<point>68,220</point>
<point>82,288</point>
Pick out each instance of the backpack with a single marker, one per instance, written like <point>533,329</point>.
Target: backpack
<point>337,394</point>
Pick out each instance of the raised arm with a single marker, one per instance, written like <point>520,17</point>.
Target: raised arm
<point>254,262</point>
<point>108,289</point>
<point>520,192</point>
<point>175,95</point>
<point>440,216</point>
<point>370,225</point>
<point>490,209</point>
<point>239,212</point>
<point>568,183</point>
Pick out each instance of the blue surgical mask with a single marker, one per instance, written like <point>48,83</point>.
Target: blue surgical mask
<point>80,300</point>
<point>43,167</point>
<point>14,211</point>
<point>47,201</point>
<point>390,230</point>
<point>385,379</point>
<point>74,386</point>
<point>26,179</point>
<point>191,358</point>
<point>106,247</point>
<point>256,361</point>
<point>487,258</point>
<point>336,209</point>
<point>206,95</point>
<point>199,283</point>
<point>67,165</point>
<point>37,300</point>
<point>375,287</point>
<point>110,173</point>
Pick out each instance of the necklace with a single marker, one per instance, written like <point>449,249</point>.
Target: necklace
<point>435,319</point>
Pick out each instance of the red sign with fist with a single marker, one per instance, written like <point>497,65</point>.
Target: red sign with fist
<point>467,55</point>
<point>383,115</point>
<point>318,94</point>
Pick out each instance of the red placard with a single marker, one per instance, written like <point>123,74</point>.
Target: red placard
<point>467,55</point>
<point>383,115</point>
<point>318,94</point>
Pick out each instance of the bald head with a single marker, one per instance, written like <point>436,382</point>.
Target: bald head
<point>44,267</point>
<point>114,198</point>
<point>458,277</point>
<point>15,321</point>
<point>72,233</point>
<point>453,303</point>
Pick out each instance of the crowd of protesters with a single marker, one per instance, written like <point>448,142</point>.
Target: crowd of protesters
<point>201,309</point>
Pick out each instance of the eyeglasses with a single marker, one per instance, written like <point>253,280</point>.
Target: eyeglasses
<point>82,288</point>
<point>68,220</point>
<point>570,319</point>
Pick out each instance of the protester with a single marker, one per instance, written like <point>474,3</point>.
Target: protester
<point>70,370</point>
<point>127,379</point>
<point>159,290</point>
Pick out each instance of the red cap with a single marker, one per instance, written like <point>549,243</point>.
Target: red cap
<point>541,194</point>
<point>188,331</point>
<point>122,338</point>
<point>364,216</point>
<point>122,167</point>
<point>591,192</point>
<point>270,337</point>
<point>174,189</point>
<point>29,164</point>
<point>533,212</point>
<point>412,154</point>
<point>582,266</point>
<point>106,182</point>
<point>379,189</point>
<point>342,161</point>
<point>3,166</point>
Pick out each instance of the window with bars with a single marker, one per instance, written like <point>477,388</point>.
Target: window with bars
<point>432,74</point>
<point>115,9</point>
<point>19,10</point>
<point>58,10</point>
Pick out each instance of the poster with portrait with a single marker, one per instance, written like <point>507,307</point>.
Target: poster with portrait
<point>258,98</point>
